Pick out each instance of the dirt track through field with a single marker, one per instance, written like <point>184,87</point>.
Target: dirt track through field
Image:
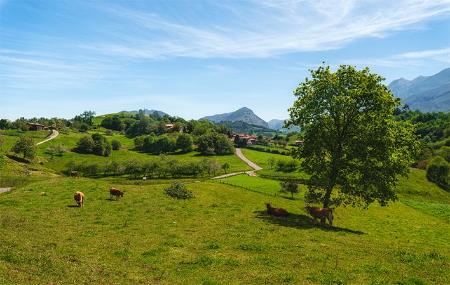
<point>247,161</point>
<point>53,135</point>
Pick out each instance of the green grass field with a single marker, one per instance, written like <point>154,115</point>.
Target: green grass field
<point>222,236</point>
<point>262,158</point>
<point>127,153</point>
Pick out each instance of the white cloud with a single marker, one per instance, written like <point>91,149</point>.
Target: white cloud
<point>406,59</point>
<point>264,28</point>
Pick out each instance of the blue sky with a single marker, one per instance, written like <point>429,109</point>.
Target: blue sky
<point>195,58</point>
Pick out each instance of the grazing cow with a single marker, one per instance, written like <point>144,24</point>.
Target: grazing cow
<point>115,192</point>
<point>79,198</point>
<point>74,173</point>
<point>277,212</point>
<point>321,213</point>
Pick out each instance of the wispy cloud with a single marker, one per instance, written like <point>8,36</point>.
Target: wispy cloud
<point>406,59</point>
<point>30,70</point>
<point>264,28</point>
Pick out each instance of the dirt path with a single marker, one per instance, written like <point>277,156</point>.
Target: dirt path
<point>53,135</point>
<point>250,163</point>
<point>247,161</point>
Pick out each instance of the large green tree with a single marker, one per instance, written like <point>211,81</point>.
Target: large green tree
<point>353,148</point>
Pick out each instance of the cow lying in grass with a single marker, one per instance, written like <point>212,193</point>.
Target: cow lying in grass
<point>277,212</point>
<point>114,192</point>
<point>79,198</point>
<point>321,213</point>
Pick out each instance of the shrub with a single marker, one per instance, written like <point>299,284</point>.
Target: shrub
<point>116,145</point>
<point>84,127</point>
<point>95,144</point>
<point>26,147</point>
<point>56,150</point>
<point>288,165</point>
<point>212,143</point>
<point>184,142</point>
<point>179,191</point>
<point>139,143</point>
<point>109,132</point>
<point>85,145</point>
<point>438,171</point>
<point>289,187</point>
<point>444,152</point>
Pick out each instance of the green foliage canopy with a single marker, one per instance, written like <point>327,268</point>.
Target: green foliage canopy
<point>351,139</point>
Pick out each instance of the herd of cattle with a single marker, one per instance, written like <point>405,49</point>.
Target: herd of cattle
<point>322,214</point>
<point>317,213</point>
<point>79,196</point>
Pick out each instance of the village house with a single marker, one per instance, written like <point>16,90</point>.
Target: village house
<point>251,139</point>
<point>36,127</point>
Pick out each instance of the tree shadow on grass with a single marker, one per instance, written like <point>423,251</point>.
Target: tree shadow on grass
<point>73,206</point>
<point>300,221</point>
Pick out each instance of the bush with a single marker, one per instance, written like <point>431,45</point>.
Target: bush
<point>289,165</point>
<point>109,133</point>
<point>444,152</point>
<point>179,191</point>
<point>212,143</point>
<point>95,144</point>
<point>438,171</point>
<point>116,145</point>
<point>55,150</point>
<point>184,142</point>
<point>26,147</point>
<point>85,145</point>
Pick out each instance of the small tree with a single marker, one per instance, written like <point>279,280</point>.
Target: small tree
<point>85,145</point>
<point>289,187</point>
<point>25,146</point>
<point>225,167</point>
<point>116,145</point>
<point>184,142</point>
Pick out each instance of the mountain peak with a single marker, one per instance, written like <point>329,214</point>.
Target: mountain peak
<point>243,114</point>
<point>425,93</point>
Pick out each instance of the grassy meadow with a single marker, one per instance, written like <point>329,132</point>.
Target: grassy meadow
<point>221,236</point>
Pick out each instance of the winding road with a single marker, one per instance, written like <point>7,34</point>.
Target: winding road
<point>250,163</point>
<point>53,135</point>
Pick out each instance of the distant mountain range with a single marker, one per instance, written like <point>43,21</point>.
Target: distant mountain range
<point>425,93</point>
<point>244,115</point>
<point>147,112</point>
<point>246,121</point>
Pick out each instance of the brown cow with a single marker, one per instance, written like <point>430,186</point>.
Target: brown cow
<point>79,198</point>
<point>115,192</point>
<point>321,213</point>
<point>277,212</point>
<point>74,173</point>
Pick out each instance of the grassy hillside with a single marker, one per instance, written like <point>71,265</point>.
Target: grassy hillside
<point>69,141</point>
<point>262,158</point>
<point>222,236</point>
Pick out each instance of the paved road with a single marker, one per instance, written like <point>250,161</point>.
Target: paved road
<point>247,161</point>
<point>53,135</point>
